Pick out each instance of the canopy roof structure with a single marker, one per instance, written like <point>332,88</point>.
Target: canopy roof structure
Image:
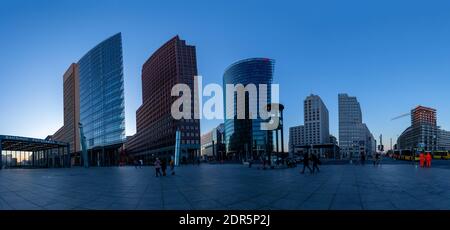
<point>16,143</point>
<point>32,152</point>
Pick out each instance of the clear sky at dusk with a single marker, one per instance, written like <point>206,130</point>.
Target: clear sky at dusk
<point>391,55</point>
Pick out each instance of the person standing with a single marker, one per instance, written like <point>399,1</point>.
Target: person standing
<point>141,163</point>
<point>428,160</point>
<point>172,167</point>
<point>306,163</point>
<point>164,167</point>
<point>421,160</point>
<point>316,163</point>
<point>263,161</point>
<point>158,167</point>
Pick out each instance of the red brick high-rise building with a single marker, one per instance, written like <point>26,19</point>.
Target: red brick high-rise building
<point>70,132</point>
<point>173,63</point>
<point>423,134</point>
<point>423,115</point>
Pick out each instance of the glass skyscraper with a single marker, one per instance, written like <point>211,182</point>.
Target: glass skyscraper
<point>244,137</point>
<point>102,107</point>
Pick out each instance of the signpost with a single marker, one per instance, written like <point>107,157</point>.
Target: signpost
<point>177,147</point>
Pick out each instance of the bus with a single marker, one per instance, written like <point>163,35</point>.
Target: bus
<point>441,155</point>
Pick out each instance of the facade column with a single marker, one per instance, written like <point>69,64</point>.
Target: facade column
<point>1,155</point>
<point>46,158</point>
<point>41,157</point>
<point>276,141</point>
<point>282,133</point>
<point>68,158</point>
<point>59,156</point>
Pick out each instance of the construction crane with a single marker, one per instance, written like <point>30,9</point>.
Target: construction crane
<point>401,116</point>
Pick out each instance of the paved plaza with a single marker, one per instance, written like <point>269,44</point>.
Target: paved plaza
<point>236,187</point>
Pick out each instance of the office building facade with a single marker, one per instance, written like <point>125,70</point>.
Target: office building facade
<point>443,140</point>
<point>296,137</point>
<point>70,132</point>
<point>102,104</point>
<point>354,136</point>
<point>244,138</point>
<point>422,135</point>
<point>316,121</point>
<point>173,63</point>
<point>212,145</point>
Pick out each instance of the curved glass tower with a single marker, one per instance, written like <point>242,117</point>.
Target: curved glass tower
<point>102,109</point>
<point>244,138</point>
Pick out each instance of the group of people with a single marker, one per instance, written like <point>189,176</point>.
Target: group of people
<point>425,160</point>
<point>315,163</point>
<point>377,159</point>
<point>161,167</point>
<point>139,163</point>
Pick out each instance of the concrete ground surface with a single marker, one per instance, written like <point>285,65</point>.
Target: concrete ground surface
<point>227,187</point>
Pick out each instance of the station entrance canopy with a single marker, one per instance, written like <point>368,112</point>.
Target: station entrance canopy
<point>33,153</point>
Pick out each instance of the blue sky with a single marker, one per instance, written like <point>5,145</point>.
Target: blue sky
<point>392,55</point>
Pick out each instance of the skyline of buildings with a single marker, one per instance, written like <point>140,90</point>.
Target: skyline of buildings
<point>93,95</point>
<point>389,80</point>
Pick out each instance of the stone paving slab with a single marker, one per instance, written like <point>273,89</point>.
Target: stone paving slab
<point>224,187</point>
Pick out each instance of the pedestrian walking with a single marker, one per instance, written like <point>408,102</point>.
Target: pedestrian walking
<point>376,162</point>
<point>363,159</point>
<point>157,167</point>
<point>316,162</point>
<point>428,159</point>
<point>306,163</point>
<point>135,164</point>
<point>141,163</point>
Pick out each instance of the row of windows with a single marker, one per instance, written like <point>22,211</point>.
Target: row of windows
<point>190,142</point>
